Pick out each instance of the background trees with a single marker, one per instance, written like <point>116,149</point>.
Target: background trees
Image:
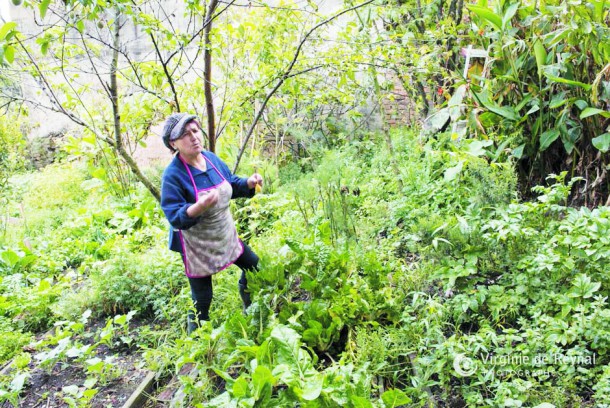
<point>305,73</point>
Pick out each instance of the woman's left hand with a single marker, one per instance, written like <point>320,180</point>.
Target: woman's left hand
<point>254,180</point>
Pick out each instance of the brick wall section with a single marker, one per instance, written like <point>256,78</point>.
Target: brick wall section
<point>398,107</point>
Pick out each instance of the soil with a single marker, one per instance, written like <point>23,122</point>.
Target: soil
<point>44,386</point>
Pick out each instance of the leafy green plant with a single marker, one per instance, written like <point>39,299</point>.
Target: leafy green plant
<point>12,151</point>
<point>13,388</point>
<point>102,371</point>
<point>77,397</point>
<point>11,340</point>
<point>546,80</point>
<point>16,261</point>
<point>116,333</point>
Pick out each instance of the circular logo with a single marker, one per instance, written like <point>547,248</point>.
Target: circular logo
<point>464,366</point>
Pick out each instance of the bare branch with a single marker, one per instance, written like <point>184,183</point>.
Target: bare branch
<point>286,74</point>
<point>168,76</point>
<point>118,137</point>
<point>48,89</point>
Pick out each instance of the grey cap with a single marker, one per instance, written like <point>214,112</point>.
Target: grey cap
<point>174,127</point>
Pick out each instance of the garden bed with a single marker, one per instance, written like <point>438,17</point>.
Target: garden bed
<point>95,367</point>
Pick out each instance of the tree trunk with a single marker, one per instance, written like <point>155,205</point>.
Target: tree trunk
<point>118,138</point>
<point>207,73</point>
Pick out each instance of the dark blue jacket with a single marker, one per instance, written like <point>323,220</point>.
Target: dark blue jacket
<point>177,192</point>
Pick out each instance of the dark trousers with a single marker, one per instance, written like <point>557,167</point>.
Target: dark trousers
<point>201,288</point>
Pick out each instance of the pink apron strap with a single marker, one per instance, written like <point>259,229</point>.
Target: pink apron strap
<point>212,164</point>
<point>186,166</point>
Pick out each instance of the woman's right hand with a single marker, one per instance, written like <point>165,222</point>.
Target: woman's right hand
<point>205,201</point>
<point>209,199</point>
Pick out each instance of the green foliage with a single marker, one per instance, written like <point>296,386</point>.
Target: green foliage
<point>378,274</point>
<point>12,150</point>
<point>547,78</point>
<point>40,200</point>
<point>131,281</point>
<point>11,340</point>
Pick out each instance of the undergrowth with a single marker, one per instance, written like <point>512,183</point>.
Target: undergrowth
<point>428,282</point>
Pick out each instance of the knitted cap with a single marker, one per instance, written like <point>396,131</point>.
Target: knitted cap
<point>174,127</point>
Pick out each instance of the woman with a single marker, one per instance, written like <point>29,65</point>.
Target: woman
<point>195,193</point>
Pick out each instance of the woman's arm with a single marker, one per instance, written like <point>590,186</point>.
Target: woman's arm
<point>175,204</point>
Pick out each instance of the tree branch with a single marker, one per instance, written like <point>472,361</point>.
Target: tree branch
<point>285,75</point>
<point>118,138</point>
<point>48,89</point>
<point>166,71</point>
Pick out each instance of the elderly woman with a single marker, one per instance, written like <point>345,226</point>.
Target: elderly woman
<point>195,193</point>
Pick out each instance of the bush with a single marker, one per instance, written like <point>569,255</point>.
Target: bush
<point>128,281</point>
<point>11,340</point>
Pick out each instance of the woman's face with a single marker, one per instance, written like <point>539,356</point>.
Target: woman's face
<point>189,143</point>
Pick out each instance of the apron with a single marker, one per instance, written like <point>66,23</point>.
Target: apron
<point>212,244</point>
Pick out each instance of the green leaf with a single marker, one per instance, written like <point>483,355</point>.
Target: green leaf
<point>394,398</point>
<point>507,112</point>
<point>567,81</point>
<point>486,14</point>
<point>569,136</point>
<point>288,344</point>
<point>90,382</point>
<point>9,53</point>
<point>240,388</point>
<point>594,111</point>
<point>518,151</point>
<point>540,53</point>
<point>558,99</point>
<point>70,390</point>
<point>452,172</point>
<point>547,138</point>
<point>504,111</point>
<point>224,400</point>
<point>533,109</point>
<point>44,5</point>
<point>438,119</point>
<point>19,381</point>
<point>477,147</point>
<point>80,26</point>
<point>602,142</point>
<point>6,28</point>
<point>263,382</point>
<point>44,285</point>
<point>120,319</point>
<point>510,13</point>
<point>89,393</point>
<point>581,104</point>
<point>313,387</point>
<point>9,257</point>
<point>526,98</point>
<point>360,402</point>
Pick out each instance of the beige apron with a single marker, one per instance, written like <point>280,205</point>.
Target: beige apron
<point>212,244</point>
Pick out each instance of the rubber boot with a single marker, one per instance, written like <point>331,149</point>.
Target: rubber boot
<point>245,296</point>
<point>191,323</point>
